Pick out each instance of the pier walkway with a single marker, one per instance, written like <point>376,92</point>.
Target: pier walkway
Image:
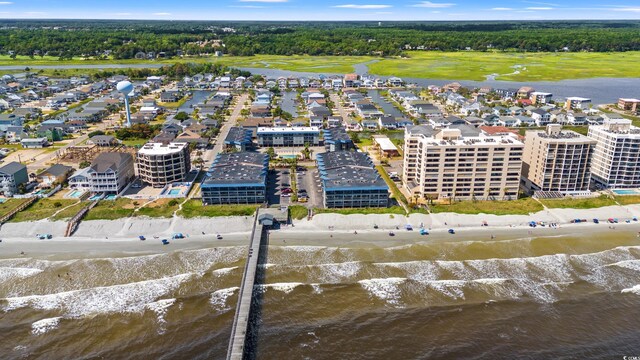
<point>236,350</point>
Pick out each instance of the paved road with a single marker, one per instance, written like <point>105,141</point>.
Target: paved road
<point>45,157</point>
<point>232,121</point>
<point>341,110</point>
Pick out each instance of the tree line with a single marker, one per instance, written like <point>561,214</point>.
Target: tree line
<point>127,39</point>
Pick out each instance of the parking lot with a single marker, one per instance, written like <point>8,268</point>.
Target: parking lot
<point>307,181</point>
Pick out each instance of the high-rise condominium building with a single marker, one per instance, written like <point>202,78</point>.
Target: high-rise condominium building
<point>461,162</point>
<point>557,160</point>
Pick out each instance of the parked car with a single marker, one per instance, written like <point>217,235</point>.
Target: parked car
<point>286,191</point>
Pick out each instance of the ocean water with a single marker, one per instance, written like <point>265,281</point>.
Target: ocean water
<point>552,297</point>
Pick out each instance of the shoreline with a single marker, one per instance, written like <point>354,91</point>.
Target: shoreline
<point>103,238</point>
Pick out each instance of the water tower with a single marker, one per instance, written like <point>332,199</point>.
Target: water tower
<point>126,89</point>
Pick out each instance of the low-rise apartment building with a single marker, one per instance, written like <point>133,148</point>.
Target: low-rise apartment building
<point>349,180</point>
<point>461,162</point>
<point>236,178</point>
<point>557,160</point>
<point>616,158</point>
<point>160,164</point>
<point>288,136</point>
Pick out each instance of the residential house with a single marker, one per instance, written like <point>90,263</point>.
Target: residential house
<point>36,143</point>
<point>541,117</point>
<point>56,174</point>
<point>104,140</point>
<point>111,172</point>
<point>81,179</point>
<point>12,175</point>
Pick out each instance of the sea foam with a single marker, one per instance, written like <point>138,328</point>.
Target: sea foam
<point>45,325</point>
<point>132,297</point>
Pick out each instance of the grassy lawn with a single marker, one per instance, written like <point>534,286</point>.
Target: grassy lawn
<point>392,186</point>
<point>510,66</point>
<point>161,208</point>
<point>350,211</point>
<point>112,209</point>
<point>628,199</point>
<point>194,208</point>
<point>591,203</point>
<point>298,212</point>
<point>42,209</point>
<point>175,104</point>
<point>135,142</point>
<point>70,212</point>
<point>523,206</point>
<point>9,205</point>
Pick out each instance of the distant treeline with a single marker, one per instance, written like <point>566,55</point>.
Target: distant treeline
<point>175,71</point>
<point>125,39</point>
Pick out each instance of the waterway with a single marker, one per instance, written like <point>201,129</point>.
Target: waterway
<point>538,297</point>
<point>288,103</point>
<point>197,96</point>
<point>600,90</point>
<point>386,106</point>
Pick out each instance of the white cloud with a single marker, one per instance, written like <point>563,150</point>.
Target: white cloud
<point>161,14</point>
<point>354,6</point>
<point>627,9</point>
<point>501,9</point>
<point>539,8</point>
<point>383,12</point>
<point>5,3</point>
<point>123,14</point>
<point>429,4</point>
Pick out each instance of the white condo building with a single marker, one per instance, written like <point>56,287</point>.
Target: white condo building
<point>461,162</point>
<point>616,159</point>
<point>161,164</point>
<point>557,160</point>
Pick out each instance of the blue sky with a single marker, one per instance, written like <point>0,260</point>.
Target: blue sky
<point>379,10</point>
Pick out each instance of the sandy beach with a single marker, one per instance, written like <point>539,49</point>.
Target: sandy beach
<point>120,237</point>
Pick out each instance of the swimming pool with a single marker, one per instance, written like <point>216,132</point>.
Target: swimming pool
<point>75,194</point>
<point>175,192</point>
<point>289,156</point>
<point>626,192</point>
<point>110,197</point>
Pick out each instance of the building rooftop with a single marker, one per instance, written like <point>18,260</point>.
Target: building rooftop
<point>237,169</point>
<point>158,148</point>
<point>349,170</point>
<point>109,160</point>
<point>463,134</point>
<point>292,130</point>
<point>336,134</point>
<point>238,135</point>
<point>385,143</point>
<point>12,168</point>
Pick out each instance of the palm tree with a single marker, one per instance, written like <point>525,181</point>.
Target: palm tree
<point>199,162</point>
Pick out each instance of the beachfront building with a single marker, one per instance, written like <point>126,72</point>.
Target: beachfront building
<point>557,160</point>
<point>12,175</point>
<point>616,158</point>
<point>236,178</point>
<point>81,179</point>
<point>461,162</point>
<point>111,172</point>
<point>160,164</point>
<point>238,139</point>
<point>337,139</point>
<point>288,136</point>
<point>349,180</point>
